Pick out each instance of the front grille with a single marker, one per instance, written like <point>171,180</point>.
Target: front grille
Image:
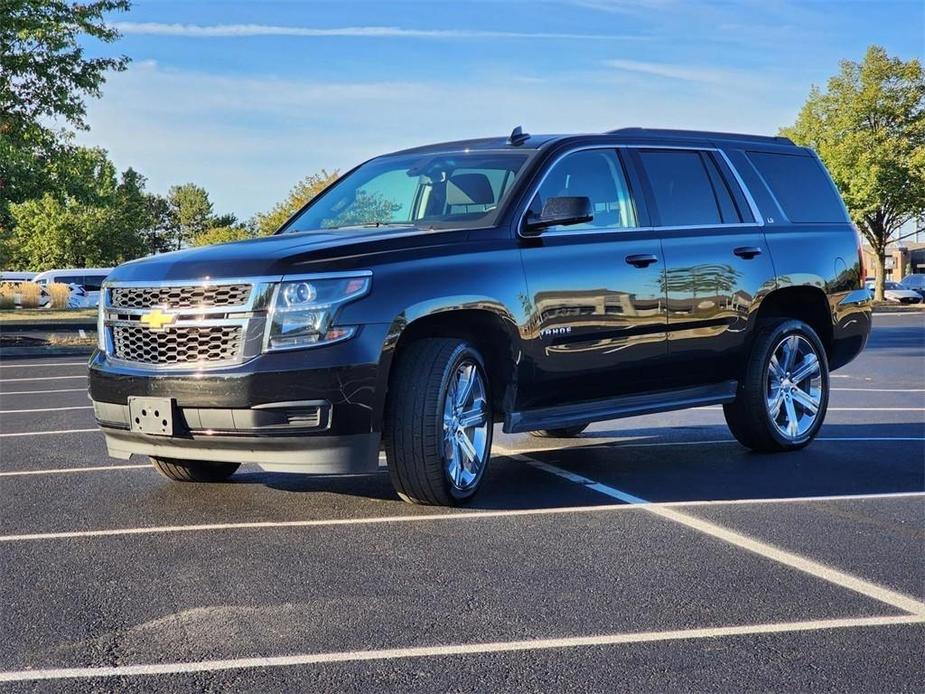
<point>180,345</point>
<point>180,297</point>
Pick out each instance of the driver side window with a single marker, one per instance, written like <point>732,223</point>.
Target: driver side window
<point>598,175</point>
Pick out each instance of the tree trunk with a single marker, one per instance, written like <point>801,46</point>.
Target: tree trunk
<point>880,260</point>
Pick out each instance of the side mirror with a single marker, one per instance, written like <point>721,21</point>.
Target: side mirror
<point>562,211</point>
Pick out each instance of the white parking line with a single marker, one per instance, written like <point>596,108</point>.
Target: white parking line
<point>48,433</point>
<point>883,390</point>
<point>68,470</point>
<point>42,366</point>
<point>616,443</point>
<point>49,409</point>
<point>427,517</point>
<point>40,378</point>
<point>597,640</point>
<point>841,409</point>
<point>781,556</point>
<point>36,392</point>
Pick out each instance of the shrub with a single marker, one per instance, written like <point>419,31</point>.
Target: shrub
<point>8,292</point>
<point>59,293</point>
<point>30,294</point>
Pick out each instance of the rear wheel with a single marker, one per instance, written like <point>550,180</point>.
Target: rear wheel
<point>193,470</point>
<point>438,424</point>
<point>783,397</point>
<point>563,433</point>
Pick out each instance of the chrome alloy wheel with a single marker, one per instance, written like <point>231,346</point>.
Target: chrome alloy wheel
<point>465,426</point>
<point>794,387</point>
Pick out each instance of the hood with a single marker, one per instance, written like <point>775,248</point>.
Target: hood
<point>276,255</point>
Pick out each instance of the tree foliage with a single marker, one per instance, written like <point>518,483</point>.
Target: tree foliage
<point>868,126</point>
<point>223,234</point>
<point>303,191</point>
<point>44,71</point>
<point>191,211</point>
<point>99,222</point>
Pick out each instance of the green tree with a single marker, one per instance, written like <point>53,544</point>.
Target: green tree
<point>191,210</point>
<point>868,126</point>
<point>223,234</point>
<point>303,191</point>
<point>44,70</point>
<point>45,76</point>
<point>91,216</point>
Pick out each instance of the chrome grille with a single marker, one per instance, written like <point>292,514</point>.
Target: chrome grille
<point>179,345</point>
<point>192,296</point>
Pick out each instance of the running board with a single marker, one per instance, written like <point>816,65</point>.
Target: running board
<point>562,416</point>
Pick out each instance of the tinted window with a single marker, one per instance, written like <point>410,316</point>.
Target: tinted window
<point>801,186</point>
<point>681,186</point>
<point>68,279</point>
<point>598,175</point>
<point>93,283</point>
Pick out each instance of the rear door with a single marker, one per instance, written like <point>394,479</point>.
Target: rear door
<point>595,304</point>
<point>716,263</point>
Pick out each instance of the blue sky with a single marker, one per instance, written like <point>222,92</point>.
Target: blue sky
<point>247,97</point>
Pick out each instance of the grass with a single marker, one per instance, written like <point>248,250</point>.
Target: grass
<point>40,315</point>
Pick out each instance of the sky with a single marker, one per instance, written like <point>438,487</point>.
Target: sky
<point>247,97</point>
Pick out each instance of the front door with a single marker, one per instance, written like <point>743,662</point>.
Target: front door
<point>597,325</point>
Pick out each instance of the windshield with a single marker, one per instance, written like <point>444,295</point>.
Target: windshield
<point>427,191</point>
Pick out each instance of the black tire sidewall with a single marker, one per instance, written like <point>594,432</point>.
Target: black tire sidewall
<point>463,352</point>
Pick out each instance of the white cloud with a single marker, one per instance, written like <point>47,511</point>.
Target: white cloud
<point>249,139</point>
<point>685,73</point>
<point>250,30</point>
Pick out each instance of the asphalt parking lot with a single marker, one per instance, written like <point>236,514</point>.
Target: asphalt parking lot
<point>650,554</point>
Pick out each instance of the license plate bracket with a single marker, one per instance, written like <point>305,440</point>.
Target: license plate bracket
<point>151,415</point>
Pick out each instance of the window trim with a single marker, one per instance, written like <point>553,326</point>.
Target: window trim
<point>756,213</point>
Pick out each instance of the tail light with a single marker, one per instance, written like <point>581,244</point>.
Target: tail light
<point>862,268</point>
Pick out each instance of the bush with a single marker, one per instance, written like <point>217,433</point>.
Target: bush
<point>8,292</point>
<point>59,293</point>
<point>30,294</point>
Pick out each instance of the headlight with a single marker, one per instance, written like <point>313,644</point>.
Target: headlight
<point>302,311</point>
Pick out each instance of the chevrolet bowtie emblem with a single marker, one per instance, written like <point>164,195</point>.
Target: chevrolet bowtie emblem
<point>157,319</point>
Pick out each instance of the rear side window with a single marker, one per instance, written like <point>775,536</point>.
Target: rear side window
<point>801,186</point>
<point>93,283</point>
<point>681,185</point>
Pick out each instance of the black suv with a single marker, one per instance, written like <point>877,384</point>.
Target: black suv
<point>543,282</point>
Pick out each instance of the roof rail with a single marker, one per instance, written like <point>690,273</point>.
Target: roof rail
<point>700,135</point>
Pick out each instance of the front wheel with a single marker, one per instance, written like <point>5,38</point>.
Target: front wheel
<point>193,470</point>
<point>783,397</point>
<point>438,424</point>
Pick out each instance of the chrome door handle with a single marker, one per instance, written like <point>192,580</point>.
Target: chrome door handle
<point>747,252</point>
<point>642,259</point>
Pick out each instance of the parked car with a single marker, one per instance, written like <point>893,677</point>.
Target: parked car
<point>16,276</point>
<point>894,291</point>
<point>915,283</point>
<point>540,282</point>
<point>90,281</point>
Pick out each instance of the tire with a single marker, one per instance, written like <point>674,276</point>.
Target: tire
<point>563,433</point>
<point>765,389</point>
<point>193,470</point>
<point>426,460</point>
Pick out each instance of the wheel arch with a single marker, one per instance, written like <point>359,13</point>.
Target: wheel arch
<point>807,303</point>
<point>484,322</point>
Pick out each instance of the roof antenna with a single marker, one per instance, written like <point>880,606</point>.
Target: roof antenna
<point>518,137</point>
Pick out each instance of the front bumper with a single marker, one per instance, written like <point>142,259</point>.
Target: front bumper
<point>310,410</point>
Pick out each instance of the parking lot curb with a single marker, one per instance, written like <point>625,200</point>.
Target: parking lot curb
<point>47,326</point>
<point>44,351</point>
